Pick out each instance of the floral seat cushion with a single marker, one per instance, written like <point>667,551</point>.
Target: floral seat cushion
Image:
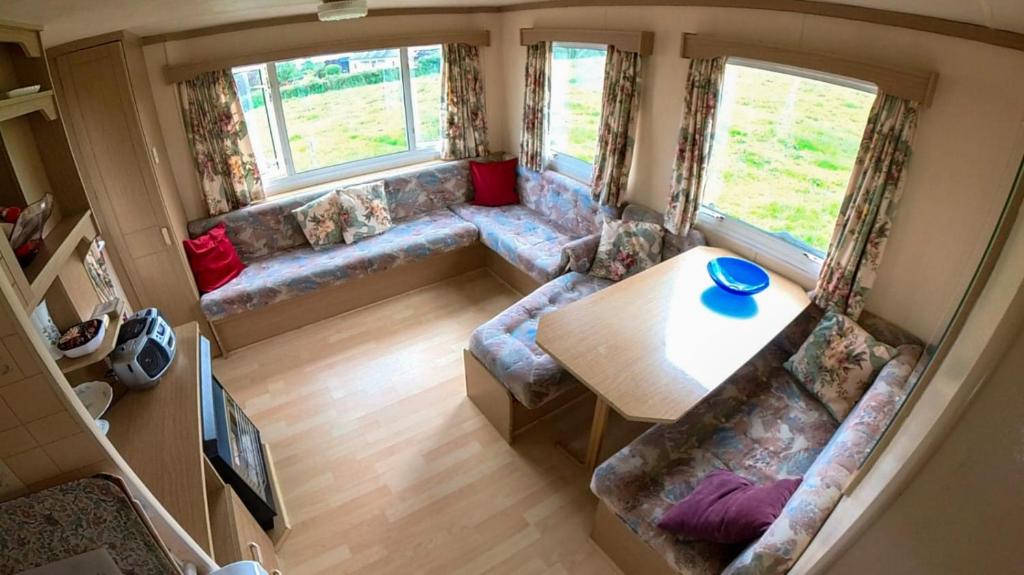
<point>522,237</point>
<point>301,270</point>
<point>763,425</point>
<point>507,344</point>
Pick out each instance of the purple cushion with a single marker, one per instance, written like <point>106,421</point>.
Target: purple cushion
<point>726,508</point>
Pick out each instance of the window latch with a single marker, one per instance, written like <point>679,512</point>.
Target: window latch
<point>813,258</point>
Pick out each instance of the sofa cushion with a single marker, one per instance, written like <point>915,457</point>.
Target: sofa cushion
<point>320,220</point>
<point>672,244</point>
<point>562,200</point>
<point>494,183</point>
<point>262,229</point>
<point>838,361</point>
<point>728,508</point>
<point>365,211</point>
<point>212,259</point>
<point>299,271</point>
<point>626,249</point>
<point>507,344</point>
<point>523,237</point>
<point>429,188</point>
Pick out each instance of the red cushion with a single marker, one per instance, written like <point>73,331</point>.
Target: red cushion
<point>494,183</point>
<point>213,259</point>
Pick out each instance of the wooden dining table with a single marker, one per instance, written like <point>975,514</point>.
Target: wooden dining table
<point>653,345</point>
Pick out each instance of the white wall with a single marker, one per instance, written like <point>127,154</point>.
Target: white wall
<point>292,35</point>
<point>967,147</point>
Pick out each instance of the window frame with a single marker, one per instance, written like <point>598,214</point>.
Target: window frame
<point>563,162</point>
<point>802,262</point>
<point>292,180</point>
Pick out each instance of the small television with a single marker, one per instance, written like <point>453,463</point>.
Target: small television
<point>232,444</point>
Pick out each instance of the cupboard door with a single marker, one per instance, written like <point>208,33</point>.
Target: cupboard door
<point>103,122</point>
<point>255,544</point>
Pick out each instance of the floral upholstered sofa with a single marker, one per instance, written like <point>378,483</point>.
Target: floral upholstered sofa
<point>504,350</point>
<point>280,263</point>
<point>556,215</point>
<point>554,222</point>
<point>763,425</point>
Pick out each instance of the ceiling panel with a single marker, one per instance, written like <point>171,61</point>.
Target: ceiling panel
<point>68,20</point>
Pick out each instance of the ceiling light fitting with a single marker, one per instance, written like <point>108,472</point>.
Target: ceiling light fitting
<point>341,10</point>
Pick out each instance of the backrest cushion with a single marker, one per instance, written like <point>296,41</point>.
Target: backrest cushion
<point>269,227</point>
<point>672,244</point>
<point>427,189</point>
<point>564,201</point>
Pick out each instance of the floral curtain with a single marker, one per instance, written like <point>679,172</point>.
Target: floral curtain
<point>215,127</point>
<point>865,217</point>
<point>535,106</point>
<point>465,122</point>
<point>619,113</point>
<point>696,130</point>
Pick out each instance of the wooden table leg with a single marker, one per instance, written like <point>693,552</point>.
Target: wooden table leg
<point>596,434</point>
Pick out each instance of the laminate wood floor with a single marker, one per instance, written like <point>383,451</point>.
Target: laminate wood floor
<point>386,466</point>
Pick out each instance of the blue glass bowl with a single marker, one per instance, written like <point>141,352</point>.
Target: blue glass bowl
<point>738,276</point>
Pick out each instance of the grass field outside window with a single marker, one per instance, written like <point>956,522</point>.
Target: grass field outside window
<point>341,108</point>
<point>783,152</point>
<point>577,81</point>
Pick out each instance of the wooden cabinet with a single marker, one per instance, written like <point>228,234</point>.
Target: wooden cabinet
<point>103,91</point>
<point>236,535</point>
<point>159,434</point>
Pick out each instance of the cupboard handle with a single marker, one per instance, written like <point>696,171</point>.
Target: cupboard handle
<point>256,552</point>
<point>167,236</point>
<point>275,572</point>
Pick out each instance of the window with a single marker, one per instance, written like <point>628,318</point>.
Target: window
<point>577,82</point>
<point>784,147</point>
<point>316,119</point>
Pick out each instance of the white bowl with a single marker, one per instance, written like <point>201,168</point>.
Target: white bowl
<point>95,396</point>
<point>91,345</point>
<point>27,90</point>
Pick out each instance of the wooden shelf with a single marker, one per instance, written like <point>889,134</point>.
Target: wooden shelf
<point>24,35</point>
<point>114,320</point>
<point>43,102</point>
<point>58,246</point>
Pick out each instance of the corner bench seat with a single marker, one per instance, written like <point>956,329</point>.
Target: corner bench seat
<point>520,236</point>
<point>507,344</point>
<point>503,354</point>
<point>554,211</point>
<point>763,425</point>
<point>302,270</point>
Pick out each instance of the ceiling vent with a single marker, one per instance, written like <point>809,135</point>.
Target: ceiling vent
<point>341,10</point>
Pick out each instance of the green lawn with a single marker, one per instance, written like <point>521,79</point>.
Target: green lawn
<point>781,160</point>
<point>783,151</point>
<point>576,105</point>
<point>351,124</point>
